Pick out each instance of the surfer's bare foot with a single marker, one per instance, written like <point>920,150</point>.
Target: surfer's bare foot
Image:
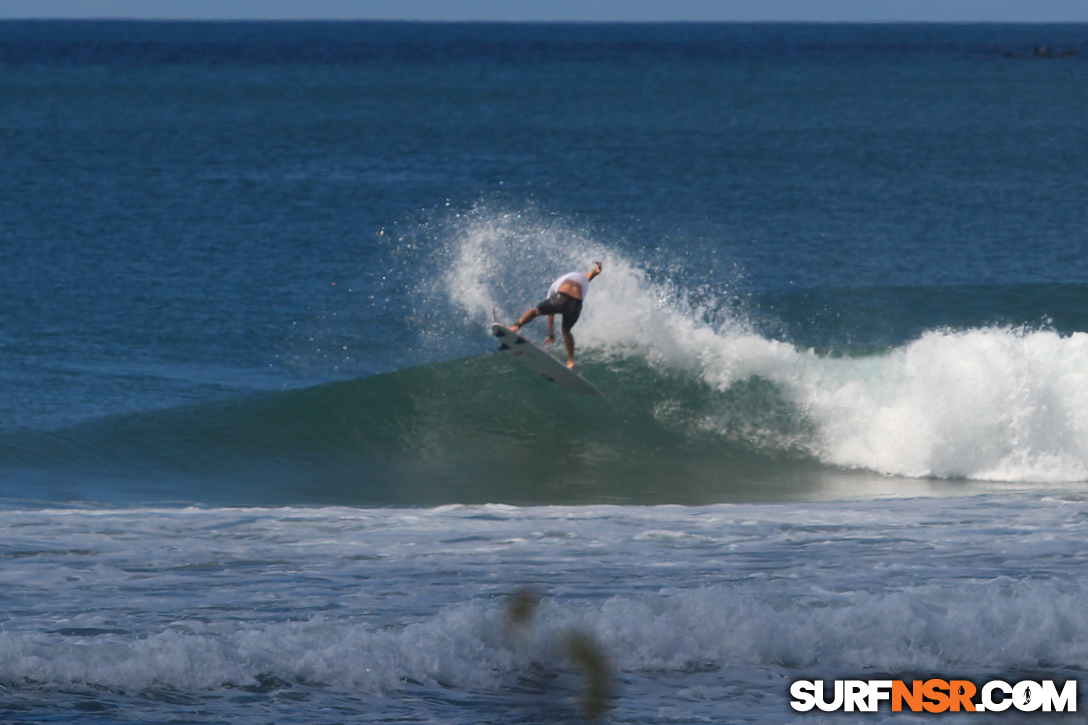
<point>514,328</point>
<point>570,364</point>
<point>549,339</point>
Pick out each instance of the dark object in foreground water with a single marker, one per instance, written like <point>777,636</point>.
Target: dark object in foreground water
<point>522,605</point>
<point>579,646</point>
<point>589,656</point>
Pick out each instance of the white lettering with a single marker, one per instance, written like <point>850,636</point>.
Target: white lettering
<point>987,696</point>
<point>857,696</point>
<point>1027,696</point>
<point>804,697</point>
<point>1066,701</point>
<point>879,690</point>
<point>995,696</point>
<point>834,704</point>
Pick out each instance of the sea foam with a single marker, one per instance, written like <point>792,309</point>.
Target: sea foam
<point>134,606</point>
<point>990,626</point>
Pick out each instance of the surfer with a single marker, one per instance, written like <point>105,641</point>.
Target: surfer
<point>565,297</point>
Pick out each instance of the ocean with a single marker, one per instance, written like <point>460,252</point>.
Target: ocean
<point>261,460</point>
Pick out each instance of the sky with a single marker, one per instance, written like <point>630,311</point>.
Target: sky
<point>561,10</point>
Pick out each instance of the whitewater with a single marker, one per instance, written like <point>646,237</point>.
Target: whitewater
<point>283,614</point>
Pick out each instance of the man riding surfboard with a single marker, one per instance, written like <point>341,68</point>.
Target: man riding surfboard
<point>564,297</point>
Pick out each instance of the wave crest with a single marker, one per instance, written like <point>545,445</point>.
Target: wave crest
<point>993,403</point>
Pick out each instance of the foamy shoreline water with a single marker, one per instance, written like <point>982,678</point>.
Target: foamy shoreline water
<point>367,608</point>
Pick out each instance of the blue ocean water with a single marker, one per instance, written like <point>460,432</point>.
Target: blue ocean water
<point>260,460</point>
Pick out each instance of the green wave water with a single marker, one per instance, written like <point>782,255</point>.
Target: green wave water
<point>473,430</point>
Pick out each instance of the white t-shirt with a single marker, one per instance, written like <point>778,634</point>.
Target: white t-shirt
<point>576,277</point>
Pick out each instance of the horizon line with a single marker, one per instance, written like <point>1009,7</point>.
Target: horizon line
<point>438,21</point>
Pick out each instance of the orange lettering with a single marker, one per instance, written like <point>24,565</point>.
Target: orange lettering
<point>961,692</point>
<point>932,690</point>
<point>913,697</point>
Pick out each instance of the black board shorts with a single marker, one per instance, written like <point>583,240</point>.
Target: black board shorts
<point>562,304</point>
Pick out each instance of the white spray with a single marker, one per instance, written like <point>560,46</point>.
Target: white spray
<point>990,404</point>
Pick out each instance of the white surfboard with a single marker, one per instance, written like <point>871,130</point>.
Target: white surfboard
<point>542,363</point>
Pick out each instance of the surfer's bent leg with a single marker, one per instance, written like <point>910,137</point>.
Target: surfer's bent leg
<point>544,308</point>
<point>528,317</point>
<point>547,307</point>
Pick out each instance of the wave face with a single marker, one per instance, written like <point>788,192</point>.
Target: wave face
<point>477,429</point>
<point>702,405</point>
